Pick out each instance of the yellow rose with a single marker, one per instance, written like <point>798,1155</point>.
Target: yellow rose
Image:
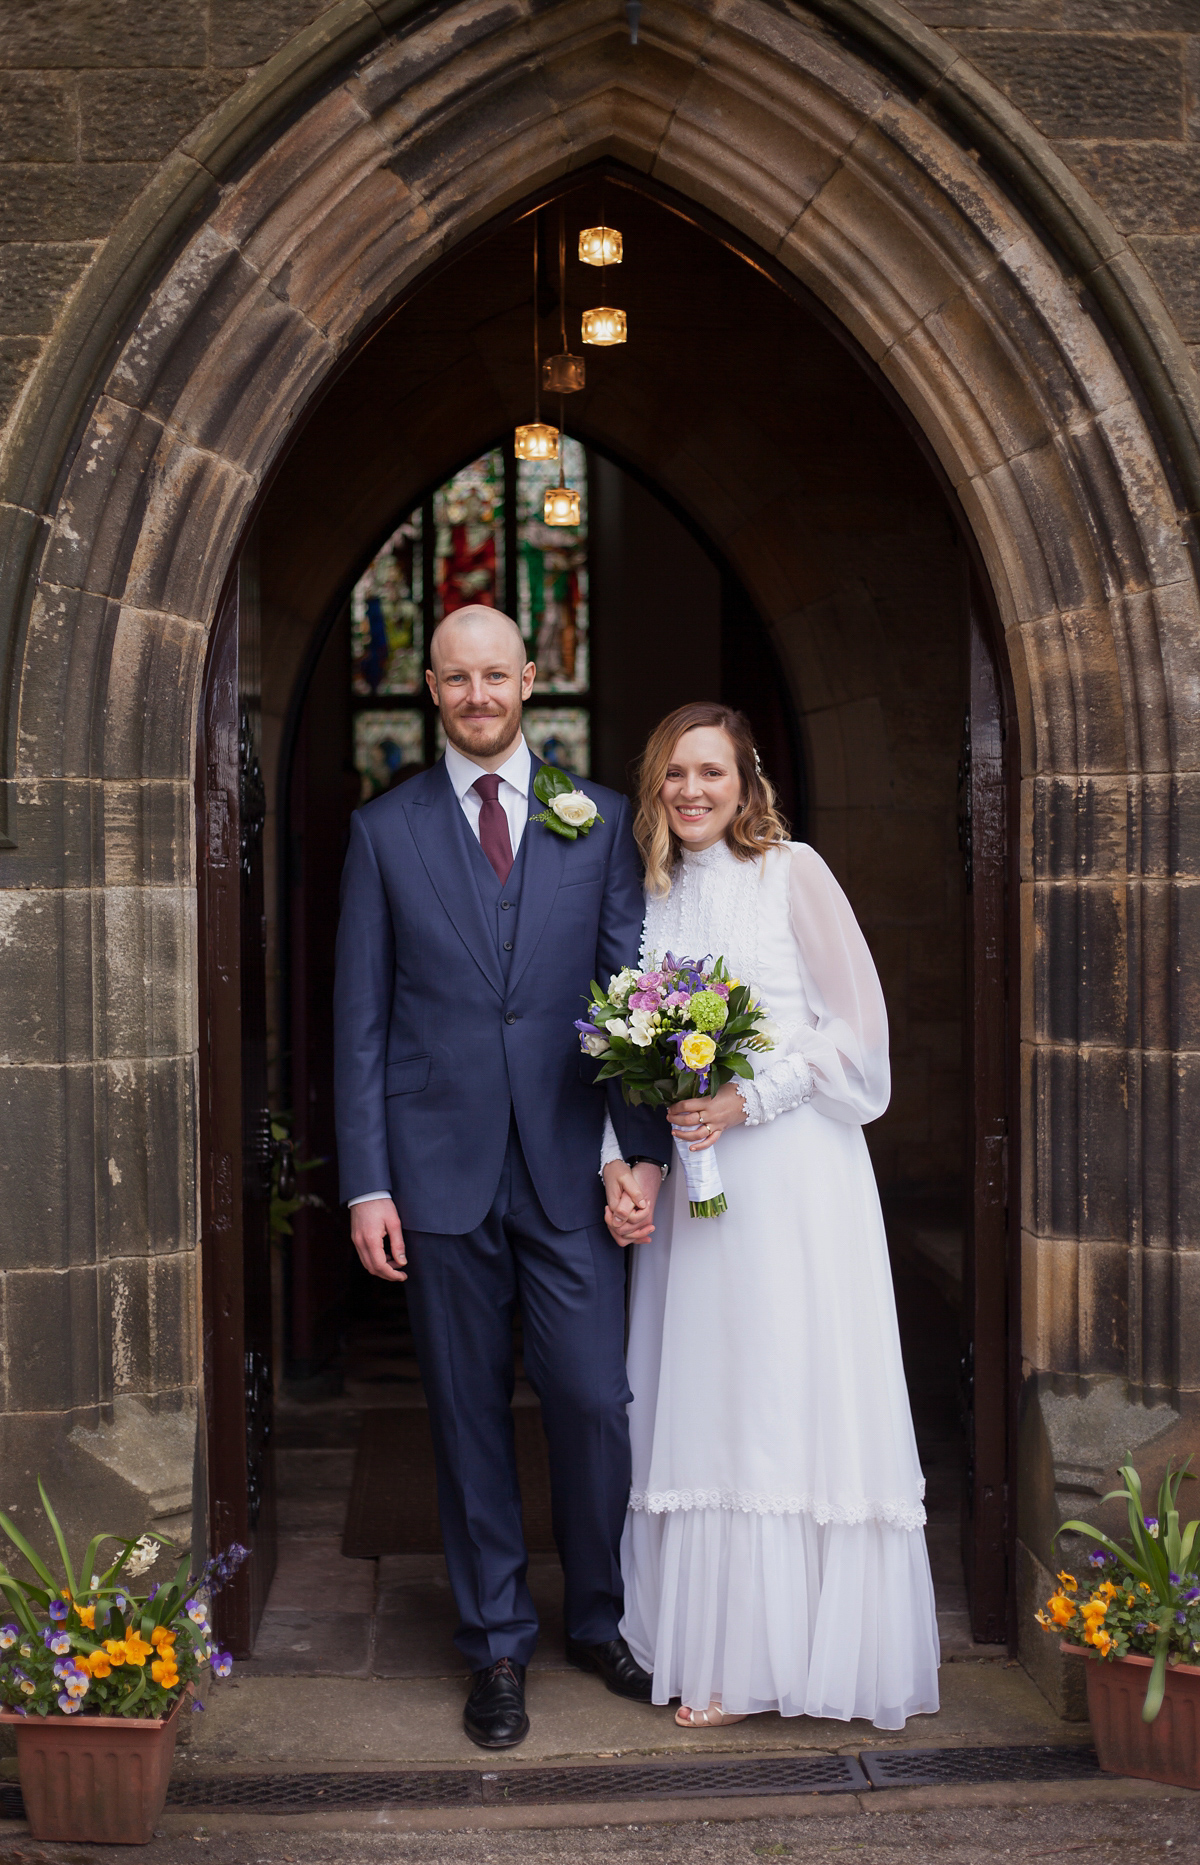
<point>697,1050</point>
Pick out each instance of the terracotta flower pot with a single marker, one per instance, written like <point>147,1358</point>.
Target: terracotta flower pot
<point>97,1778</point>
<point>1168,1749</point>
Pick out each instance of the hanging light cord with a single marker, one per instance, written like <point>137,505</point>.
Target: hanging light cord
<point>537,365</point>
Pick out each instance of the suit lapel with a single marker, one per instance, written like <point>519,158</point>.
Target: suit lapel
<point>544,854</point>
<point>440,831</point>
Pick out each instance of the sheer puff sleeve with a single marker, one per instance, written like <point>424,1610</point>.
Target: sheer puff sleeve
<point>839,1061</point>
<point>847,1050</point>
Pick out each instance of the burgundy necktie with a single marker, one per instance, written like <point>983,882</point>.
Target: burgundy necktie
<point>493,826</point>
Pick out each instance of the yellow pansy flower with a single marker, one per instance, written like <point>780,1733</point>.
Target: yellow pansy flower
<point>163,1672</point>
<point>136,1648</point>
<point>1108,1590</point>
<point>87,1617</point>
<point>1061,1610</point>
<point>115,1647</point>
<point>97,1665</point>
<point>1067,1582</point>
<point>161,1636</point>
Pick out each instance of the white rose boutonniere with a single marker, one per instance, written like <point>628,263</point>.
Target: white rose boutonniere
<point>574,808</point>
<point>568,811</point>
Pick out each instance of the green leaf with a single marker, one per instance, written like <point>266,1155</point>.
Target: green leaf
<point>59,1538</point>
<point>550,783</point>
<point>35,1561</point>
<point>15,1594</point>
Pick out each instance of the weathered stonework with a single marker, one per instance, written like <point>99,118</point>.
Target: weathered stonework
<point>148,406</point>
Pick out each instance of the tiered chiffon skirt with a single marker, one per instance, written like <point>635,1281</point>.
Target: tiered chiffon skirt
<point>774,1553</point>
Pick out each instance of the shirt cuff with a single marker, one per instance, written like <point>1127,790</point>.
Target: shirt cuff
<point>365,1198</point>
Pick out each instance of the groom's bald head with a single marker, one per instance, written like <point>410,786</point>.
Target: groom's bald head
<point>473,630</point>
<point>479,678</point>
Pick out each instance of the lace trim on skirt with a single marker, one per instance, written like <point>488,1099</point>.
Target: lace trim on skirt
<point>897,1513</point>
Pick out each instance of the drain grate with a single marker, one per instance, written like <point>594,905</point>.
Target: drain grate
<point>815,1773</point>
<point>792,1774</point>
<point>314,1793</point>
<point>941,1767</point>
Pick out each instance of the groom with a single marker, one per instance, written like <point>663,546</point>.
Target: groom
<point>469,1144</point>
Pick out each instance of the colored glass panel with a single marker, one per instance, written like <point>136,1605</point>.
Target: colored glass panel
<point>552,576</point>
<point>384,742</point>
<point>468,516</point>
<point>562,735</point>
<point>386,629</point>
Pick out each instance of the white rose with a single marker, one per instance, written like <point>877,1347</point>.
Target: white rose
<point>574,808</point>
<point>617,1026</point>
<point>641,1027</point>
<point>620,985</point>
<point>595,1045</point>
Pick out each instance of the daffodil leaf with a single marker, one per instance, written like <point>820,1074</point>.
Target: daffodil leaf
<point>35,1561</point>
<point>59,1538</point>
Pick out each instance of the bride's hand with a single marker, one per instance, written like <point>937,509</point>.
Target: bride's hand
<point>704,1121</point>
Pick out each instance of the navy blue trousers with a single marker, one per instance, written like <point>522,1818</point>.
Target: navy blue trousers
<point>570,1286</point>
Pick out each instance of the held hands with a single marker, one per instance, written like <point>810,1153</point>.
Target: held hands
<point>631,1192</point>
<point>704,1121</point>
<point>376,1234</point>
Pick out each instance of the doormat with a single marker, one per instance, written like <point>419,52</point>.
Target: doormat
<point>393,1495</point>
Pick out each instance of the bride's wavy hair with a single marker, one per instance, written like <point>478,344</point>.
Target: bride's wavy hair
<point>758,824</point>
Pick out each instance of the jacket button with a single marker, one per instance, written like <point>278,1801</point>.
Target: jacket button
<point>510,1016</point>
<point>505,905</point>
<point>508,945</point>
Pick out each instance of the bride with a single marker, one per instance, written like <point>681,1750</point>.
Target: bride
<point>774,1555</point>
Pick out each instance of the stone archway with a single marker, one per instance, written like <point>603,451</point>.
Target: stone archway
<point>122,535</point>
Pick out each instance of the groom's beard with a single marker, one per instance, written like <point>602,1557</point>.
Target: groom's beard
<point>482,736</point>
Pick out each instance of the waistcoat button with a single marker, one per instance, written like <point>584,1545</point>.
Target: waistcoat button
<point>510,1016</point>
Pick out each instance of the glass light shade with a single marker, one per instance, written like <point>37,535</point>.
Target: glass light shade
<point>604,326</point>
<point>561,506</point>
<point>537,441</point>
<point>601,246</point>
<point>562,375</point>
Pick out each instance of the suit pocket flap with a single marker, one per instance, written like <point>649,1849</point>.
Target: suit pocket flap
<point>407,1076</point>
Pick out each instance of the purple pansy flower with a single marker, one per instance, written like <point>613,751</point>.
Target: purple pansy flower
<point>222,1664</point>
<point>59,1610</point>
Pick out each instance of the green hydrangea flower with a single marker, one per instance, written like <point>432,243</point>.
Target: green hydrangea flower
<point>708,1011</point>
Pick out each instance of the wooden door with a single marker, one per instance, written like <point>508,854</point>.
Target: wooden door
<point>234,1117</point>
<point>987,1282</point>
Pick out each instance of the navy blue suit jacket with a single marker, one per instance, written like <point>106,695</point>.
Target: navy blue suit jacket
<point>434,1048</point>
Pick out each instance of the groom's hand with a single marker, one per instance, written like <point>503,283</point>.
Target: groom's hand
<point>631,1193</point>
<point>376,1234</point>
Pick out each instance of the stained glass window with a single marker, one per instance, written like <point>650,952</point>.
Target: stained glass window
<point>384,742</point>
<point>468,515</point>
<point>561,736</point>
<point>480,537</point>
<point>387,632</point>
<point>552,575</point>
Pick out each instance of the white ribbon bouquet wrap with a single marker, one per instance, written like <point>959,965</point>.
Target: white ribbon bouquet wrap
<point>674,1032</point>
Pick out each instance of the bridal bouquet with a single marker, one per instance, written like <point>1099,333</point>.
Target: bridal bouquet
<point>671,1033</point>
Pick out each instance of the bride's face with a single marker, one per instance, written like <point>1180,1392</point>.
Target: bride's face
<point>701,790</point>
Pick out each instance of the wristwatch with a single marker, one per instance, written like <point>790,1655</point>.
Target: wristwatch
<point>641,1159</point>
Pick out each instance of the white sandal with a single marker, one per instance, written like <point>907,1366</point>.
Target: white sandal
<point>713,1717</point>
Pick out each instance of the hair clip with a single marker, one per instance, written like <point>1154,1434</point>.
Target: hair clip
<point>757,763</point>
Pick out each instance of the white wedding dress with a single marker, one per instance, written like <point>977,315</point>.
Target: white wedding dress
<point>774,1554</point>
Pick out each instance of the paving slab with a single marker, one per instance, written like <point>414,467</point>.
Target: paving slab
<point>309,1722</point>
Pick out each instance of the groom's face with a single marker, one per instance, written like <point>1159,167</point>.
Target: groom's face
<point>479,679</point>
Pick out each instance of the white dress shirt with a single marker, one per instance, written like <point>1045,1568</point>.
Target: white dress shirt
<point>463,773</point>
<point>513,797</point>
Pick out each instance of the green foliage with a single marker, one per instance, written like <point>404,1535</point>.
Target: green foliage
<point>92,1645</point>
<point>1151,1602</point>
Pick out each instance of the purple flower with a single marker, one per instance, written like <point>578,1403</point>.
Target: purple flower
<point>59,1610</point>
<point>643,1000</point>
<point>221,1663</point>
<point>1150,1523</point>
<point>68,1705</point>
<point>1192,1593</point>
<point>1181,1618</point>
<point>57,1642</point>
<point>197,1707</point>
<point>677,1000</point>
<point>1097,1558</point>
<point>9,1634</point>
<point>722,990</point>
<point>649,980</point>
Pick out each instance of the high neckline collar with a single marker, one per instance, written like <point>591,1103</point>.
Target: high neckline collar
<point>715,857</point>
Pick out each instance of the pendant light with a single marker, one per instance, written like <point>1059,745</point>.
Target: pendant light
<point>537,440</point>
<point>603,246</point>
<point>561,503</point>
<point>563,374</point>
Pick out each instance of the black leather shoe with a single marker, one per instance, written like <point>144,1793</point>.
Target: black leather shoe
<point>616,1664</point>
<point>494,1716</point>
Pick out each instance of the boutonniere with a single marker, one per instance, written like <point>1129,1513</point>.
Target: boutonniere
<point>568,811</point>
